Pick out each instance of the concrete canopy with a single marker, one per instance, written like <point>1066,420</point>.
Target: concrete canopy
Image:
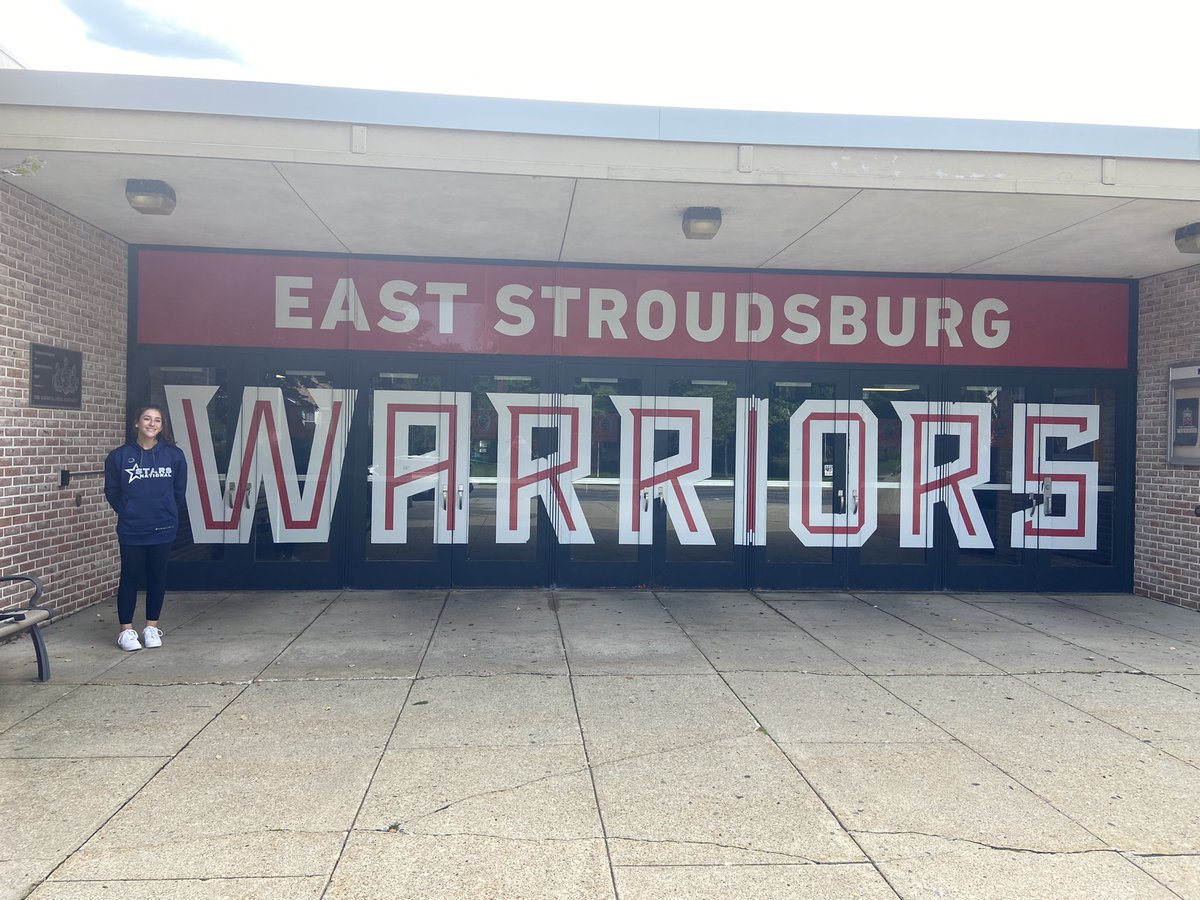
<point>284,167</point>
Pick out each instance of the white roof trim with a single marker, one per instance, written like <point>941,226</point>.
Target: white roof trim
<point>287,101</point>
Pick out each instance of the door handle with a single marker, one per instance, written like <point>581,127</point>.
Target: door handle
<point>445,491</point>
<point>460,496</point>
<point>1047,494</point>
<point>645,500</point>
<point>247,496</point>
<point>231,495</point>
<point>854,503</point>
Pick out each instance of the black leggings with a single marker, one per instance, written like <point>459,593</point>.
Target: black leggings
<point>138,561</point>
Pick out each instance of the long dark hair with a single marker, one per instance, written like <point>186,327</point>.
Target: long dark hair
<point>165,434</point>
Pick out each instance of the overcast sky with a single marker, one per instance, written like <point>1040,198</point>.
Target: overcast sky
<point>1042,60</point>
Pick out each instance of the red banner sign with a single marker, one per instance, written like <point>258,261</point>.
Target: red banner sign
<point>275,300</point>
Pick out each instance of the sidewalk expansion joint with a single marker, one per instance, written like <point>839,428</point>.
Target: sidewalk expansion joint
<point>401,832</point>
<point>793,857</point>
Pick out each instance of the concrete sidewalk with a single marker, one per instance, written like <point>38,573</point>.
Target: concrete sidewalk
<point>560,744</point>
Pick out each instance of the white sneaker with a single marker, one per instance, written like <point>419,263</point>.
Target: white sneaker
<point>127,640</point>
<point>152,637</point>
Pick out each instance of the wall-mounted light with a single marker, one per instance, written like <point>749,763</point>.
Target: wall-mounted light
<point>151,198</point>
<point>701,223</point>
<point>1187,238</point>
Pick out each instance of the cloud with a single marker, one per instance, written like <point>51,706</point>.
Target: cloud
<point>120,24</point>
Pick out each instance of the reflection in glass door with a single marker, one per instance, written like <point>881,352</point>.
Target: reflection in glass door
<point>614,557</point>
<point>513,435</point>
<point>197,560</point>
<point>901,553</point>
<point>806,485</point>
<point>998,563</point>
<point>292,434</point>
<point>265,450</point>
<point>401,464</point>
<point>1084,506</point>
<point>696,474</point>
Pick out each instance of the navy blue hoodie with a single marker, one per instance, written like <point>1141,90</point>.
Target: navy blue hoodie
<point>146,488</point>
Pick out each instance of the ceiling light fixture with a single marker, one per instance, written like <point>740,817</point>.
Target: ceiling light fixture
<point>1187,238</point>
<point>701,223</point>
<point>151,198</point>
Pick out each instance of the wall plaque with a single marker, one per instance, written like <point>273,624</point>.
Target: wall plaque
<point>1183,411</point>
<point>55,377</point>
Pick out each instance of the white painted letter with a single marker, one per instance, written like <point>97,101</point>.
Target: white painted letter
<point>667,303</point>
<point>846,315</point>
<point>287,303</point>
<point>606,307</point>
<point>766,318</point>
<point>997,334</point>
<point>345,306</point>
<point>445,292</point>
<point>508,306</point>
<point>810,325</point>
<point>408,311</point>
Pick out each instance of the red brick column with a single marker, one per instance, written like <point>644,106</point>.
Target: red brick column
<point>63,283</point>
<point>1166,554</point>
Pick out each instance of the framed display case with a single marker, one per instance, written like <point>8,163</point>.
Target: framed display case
<point>1183,411</point>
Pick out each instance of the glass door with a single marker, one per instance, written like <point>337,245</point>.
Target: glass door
<point>982,554</point>
<point>515,454</point>
<point>1078,483</point>
<point>201,402</point>
<point>403,463</point>
<point>667,469</point>
<point>265,447</point>
<point>451,473</point>
<point>292,433</point>
<point>616,555</point>
<point>805,482</point>
<point>701,443</point>
<point>898,481</point>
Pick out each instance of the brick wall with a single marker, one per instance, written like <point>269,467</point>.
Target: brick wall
<point>1166,554</point>
<point>62,283</point>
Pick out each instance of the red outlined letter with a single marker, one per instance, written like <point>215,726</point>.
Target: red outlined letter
<point>262,438</point>
<point>521,477</point>
<point>1040,478</point>
<point>923,485</point>
<point>806,516</point>
<point>397,473</point>
<point>674,477</point>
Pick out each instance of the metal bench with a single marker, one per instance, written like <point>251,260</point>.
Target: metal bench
<point>28,618</point>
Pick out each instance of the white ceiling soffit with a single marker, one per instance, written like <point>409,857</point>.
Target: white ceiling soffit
<point>404,212</point>
<point>249,204</point>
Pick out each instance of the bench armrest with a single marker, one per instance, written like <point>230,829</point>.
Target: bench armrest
<point>37,588</point>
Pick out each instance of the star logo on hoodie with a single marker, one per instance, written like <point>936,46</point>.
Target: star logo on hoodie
<point>155,472</point>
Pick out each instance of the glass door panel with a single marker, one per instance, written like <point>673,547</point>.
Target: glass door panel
<point>508,536</point>
<point>294,427</point>
<point>806,480</point>
<point>304,415</point>
<point>1085,501</point>
<point>201,403</point>
<point>991,560</point>
<point>901,553</point>
<point>402,458</point>
<point>697,473</point>
<point>614,558</point>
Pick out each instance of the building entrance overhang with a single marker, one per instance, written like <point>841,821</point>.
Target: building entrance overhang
<point>279,167</point>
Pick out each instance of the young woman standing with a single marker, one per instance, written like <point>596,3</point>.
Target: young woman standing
<point>145,482</point>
